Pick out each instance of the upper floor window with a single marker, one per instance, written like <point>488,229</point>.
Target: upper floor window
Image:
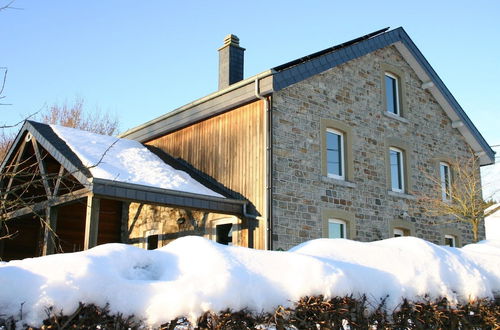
<point>337,228</point>
<point>397,169</point>
<point>392,93</point>
<point>445,178</point>
<point>335,153</point>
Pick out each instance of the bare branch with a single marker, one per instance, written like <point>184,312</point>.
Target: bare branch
<point>9,6</point>
<point>465,202</point>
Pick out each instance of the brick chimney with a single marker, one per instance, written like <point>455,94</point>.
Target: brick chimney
<point>230,61</point>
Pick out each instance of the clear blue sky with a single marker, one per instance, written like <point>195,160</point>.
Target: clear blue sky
<point>141,59</point>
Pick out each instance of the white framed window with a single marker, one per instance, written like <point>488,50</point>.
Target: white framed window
<point>450,240</point>
<point>397,169</point>
<point>225,231</point>
<point>398,232</point>
<point>335,160</point>
<point>445,178</point>
<point>392,93</point>
<point>337,228</point>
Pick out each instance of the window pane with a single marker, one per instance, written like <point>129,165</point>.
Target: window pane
<point>399,232</point>
<point>396,175</point>
<point>334,153</point>
<point>445,180</point>
<point>152,242</point>
<point>336,230</point>
<point>224,234</point>
<point>391,94</point>
<point>450,241</point>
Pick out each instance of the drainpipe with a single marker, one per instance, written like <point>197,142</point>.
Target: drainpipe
<point>268,161</point>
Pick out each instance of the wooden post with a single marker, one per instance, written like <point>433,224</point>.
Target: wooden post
<point>42,167</point>
<point>49,231</point>
<point>247,232</point>
<point>124,235</point>
<point>91,222</point>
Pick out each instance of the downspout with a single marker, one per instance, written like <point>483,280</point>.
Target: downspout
<point>268,166</point>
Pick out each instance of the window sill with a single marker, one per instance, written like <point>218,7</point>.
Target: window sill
<point>338,182</point>
<point>400,195</point>
<point>393,116</point>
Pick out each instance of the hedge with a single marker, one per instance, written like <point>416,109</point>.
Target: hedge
<point>307,313</point>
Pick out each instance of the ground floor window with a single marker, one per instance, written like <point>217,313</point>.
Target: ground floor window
<point>450,240</point>
<point>401,228</point>
<point>151,239</point>
<point>224,234</point>
<point>225,231</point>
<point>337,228</point>
<point>398,232</point>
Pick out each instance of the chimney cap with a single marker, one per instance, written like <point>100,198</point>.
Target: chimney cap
<point>231,40</point>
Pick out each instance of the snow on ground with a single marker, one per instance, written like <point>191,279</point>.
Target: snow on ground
<point>492,223</point>
<point>192,275</point>
<point>126,160</point>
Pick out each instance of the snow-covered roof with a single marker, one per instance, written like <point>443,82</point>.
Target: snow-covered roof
<point>127,161</point>
<point>192,275</point>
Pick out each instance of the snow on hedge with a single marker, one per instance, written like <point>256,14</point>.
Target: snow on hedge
<point>126,160</point>
<point>192,275</point>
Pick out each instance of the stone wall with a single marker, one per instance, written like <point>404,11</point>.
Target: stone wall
<point>352,94</point>
<point>171,223</point>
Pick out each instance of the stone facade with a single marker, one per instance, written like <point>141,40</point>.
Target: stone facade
<point>352,94</point>
<point>171,223</point>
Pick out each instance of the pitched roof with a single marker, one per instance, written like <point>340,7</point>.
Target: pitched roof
<point>292,72</point>
<point>127,170</point>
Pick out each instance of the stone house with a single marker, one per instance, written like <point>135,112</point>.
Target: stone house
<point>339,143</point>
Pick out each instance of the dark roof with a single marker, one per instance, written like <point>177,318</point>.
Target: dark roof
<point>61,152</point>
<point>295,71</point>
<point>308,66</point>
<point>203,178</point>
<point>328,50</point>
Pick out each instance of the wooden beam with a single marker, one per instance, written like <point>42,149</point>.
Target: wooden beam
<point>91,222</point>
<point>70,197</point>
<point>43,169</point>
<point>49,236</point>
<point>16,164</point>
<point>124,221</point>
<point>58,182</point>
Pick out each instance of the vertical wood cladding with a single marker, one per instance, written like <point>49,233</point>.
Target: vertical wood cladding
<point>229,147</point>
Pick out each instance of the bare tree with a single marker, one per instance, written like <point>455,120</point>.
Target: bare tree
<point>458,194</point>
<point>26,180</point>
<point>67,115</point>
<point>74,116</point>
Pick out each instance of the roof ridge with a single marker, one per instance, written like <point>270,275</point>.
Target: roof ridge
<point>329,50</point>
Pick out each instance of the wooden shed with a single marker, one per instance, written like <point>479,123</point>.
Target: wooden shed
<point>52,200</point>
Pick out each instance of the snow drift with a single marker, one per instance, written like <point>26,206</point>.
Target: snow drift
<point>192,275</point>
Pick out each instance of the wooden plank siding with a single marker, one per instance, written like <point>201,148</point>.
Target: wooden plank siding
<point>230,147</point>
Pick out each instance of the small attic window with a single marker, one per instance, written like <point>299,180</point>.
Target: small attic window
<point>392,93</point>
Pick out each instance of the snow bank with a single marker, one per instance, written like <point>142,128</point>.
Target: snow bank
<point>492,223</point>
<point>192,275</point>
<point>126,160</point>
